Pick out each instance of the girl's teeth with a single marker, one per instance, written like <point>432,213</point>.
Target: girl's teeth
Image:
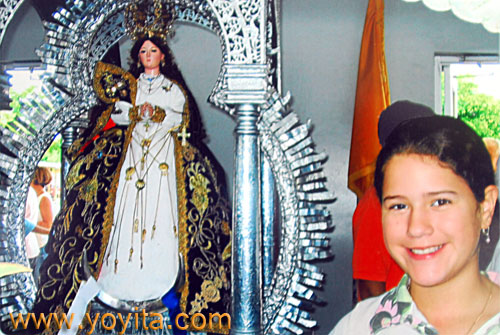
<point>426,250</point>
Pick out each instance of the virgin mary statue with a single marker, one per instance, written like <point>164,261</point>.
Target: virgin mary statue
<point>144,218</point>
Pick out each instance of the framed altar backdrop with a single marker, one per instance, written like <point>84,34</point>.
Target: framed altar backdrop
<point>274,154</point>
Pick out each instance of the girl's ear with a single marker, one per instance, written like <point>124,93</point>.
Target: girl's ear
<point>488,205</point>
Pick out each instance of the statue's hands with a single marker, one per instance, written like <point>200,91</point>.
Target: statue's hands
<point>147,110</point>
<point>122,117</point>
<point>123,106</point>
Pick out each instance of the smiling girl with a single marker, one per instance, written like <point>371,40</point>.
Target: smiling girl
<point>435,181</point>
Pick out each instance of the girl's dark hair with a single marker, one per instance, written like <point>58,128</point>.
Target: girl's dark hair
<point>448,139</point>
<point>170,70</point>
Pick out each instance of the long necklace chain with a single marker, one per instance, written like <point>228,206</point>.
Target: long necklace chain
<point>128,175</point>
<point>482,311</point>
<point>151,81</point>
<point>140,185</point>
<point>490,294</point>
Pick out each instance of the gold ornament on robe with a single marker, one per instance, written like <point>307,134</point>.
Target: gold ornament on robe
<point>163,168</point>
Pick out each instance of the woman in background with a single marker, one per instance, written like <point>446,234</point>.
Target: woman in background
<point>435,181</point>
<point>30,223</point>
<point>45,216</point>
<point>42,178</point>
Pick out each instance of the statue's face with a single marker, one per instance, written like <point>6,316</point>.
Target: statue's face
<point>150,56</point>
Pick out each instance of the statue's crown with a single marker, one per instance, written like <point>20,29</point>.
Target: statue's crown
<point>149,18</point>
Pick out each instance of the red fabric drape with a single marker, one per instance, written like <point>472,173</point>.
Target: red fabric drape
<point>372,96</point>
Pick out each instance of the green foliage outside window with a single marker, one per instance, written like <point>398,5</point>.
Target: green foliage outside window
<point>53,153</point>
<point>480,111</point>
<point>8,117</point>
<point>8,120</point>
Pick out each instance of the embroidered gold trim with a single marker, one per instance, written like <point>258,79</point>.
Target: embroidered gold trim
<point>75,148</point>
<point>182,200</point>
<point>110,201</point>
<point>133,114</point>
<point>182,217</point>
<point>225,228</point>
<point>105,69</point>
<point>158,115</point>
<point>226,254</point>
<point>101,69</point>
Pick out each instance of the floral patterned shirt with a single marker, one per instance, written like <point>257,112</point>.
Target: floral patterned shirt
<point>395,312</point>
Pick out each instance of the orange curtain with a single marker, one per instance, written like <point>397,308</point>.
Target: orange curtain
<point>372,96</point>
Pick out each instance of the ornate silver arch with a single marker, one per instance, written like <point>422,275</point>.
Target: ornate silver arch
<point>83,32</point>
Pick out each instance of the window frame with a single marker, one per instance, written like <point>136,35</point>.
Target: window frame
<point>442,63</point>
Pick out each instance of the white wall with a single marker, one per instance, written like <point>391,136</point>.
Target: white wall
<point>23,35</point>
<point>414,34</point>
<point>199,56</point>
<point>320,45</point>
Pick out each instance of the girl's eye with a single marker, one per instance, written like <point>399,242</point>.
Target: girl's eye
<point>142,51</point>
<point>154,50</point>
<point>440,202</point>
<point>398,207</point>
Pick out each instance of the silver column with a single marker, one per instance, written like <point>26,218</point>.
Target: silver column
<point>68,137</point>
<point>246,260</point>
<point>268,216</point>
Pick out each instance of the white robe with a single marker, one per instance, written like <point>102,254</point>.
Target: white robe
<point>31,214</point>
<point>158,199</point>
